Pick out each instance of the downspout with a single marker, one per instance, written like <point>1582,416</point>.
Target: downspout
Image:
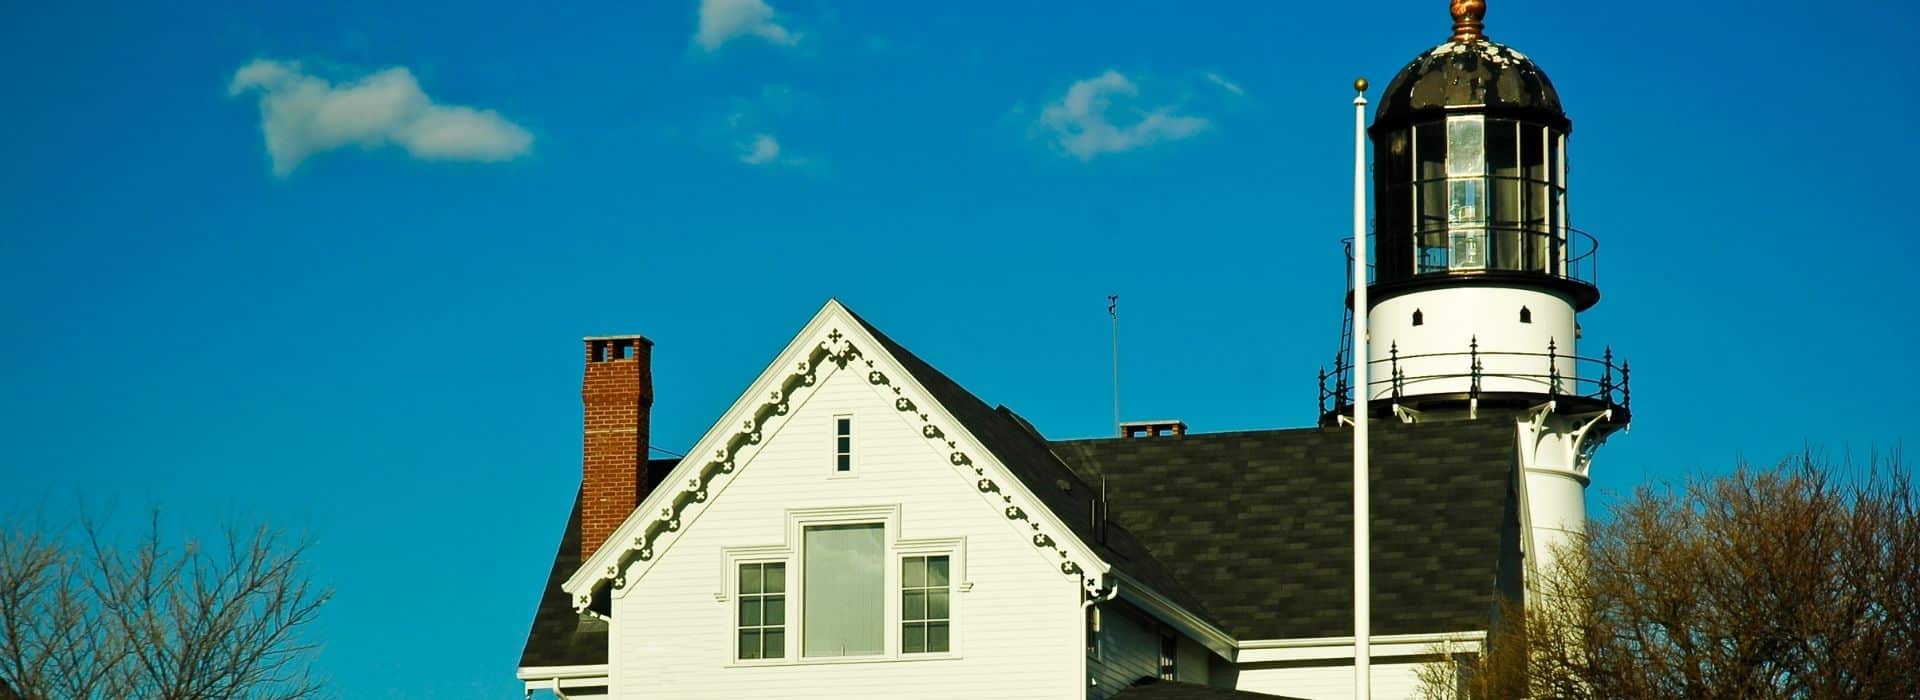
<point>556,690</point>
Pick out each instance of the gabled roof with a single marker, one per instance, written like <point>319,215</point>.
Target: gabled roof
<point>1259,524</point>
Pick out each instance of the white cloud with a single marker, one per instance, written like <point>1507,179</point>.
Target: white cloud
<point>763,149</point>
<point>1225,84</point>
<point>725,20</point>
<point>302,115</point>
<point>1093,118</point>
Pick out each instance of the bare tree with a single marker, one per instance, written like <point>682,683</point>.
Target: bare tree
<point>83,618</point>
<point>1799,581</point>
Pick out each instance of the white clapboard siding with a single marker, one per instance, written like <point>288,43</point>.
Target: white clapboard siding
<point>1016,632</point>
<point>1390,680</point>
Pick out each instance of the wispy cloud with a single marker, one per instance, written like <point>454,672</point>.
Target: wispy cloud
<point>722,21</point>
<point>754,128</point>
<point>1100,115</point>
<point>302,115</point>
<point>1225,84</point>
<point>760,150</point>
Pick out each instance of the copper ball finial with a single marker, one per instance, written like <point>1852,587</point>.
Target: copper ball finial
<point>1359,84</point>
<point>1469,18</point>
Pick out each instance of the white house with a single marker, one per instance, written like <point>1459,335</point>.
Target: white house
<point>857,524</point>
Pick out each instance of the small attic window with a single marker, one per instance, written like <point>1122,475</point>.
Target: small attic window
<point>1526,315</point>
<point>843,444</point>
<point>1419,319</point>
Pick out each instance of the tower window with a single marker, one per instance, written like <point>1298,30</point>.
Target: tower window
<point>1526,315</point>
<point>1419,319</point>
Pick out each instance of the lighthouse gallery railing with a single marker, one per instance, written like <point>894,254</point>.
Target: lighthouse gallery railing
<point>1598,379</point>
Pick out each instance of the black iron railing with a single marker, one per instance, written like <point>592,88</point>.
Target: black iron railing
<point>1458,249</point>
<point>1389,380</point>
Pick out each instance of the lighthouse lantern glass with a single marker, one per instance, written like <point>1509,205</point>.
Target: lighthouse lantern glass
<point>1466,192</point>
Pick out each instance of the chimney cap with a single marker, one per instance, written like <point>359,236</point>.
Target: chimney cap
<point>1153,428</point>
<point>630,336</point>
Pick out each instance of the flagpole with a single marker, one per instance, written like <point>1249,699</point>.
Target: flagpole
<point>1362,527</point>
<point>1113,311</point>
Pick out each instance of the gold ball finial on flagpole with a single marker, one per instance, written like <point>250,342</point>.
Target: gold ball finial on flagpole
<point>1360,85</point>
<point>1469,19</point>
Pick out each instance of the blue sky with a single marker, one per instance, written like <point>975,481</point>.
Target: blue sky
<point>359,312</point>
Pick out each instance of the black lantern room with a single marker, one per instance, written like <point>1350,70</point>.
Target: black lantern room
<point>1470,170</point>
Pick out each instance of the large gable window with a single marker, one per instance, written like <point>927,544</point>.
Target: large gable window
<point>842,610</point>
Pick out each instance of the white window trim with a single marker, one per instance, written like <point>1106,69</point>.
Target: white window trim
<point>730,591</point>
<point>955,550</point>
<point>896,550</point>
<point>853,452</point>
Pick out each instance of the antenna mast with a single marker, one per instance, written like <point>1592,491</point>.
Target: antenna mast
<point>1113,312</point>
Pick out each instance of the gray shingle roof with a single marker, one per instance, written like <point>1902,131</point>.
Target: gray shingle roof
<point>1028,455</point>
<point>1259,524</point>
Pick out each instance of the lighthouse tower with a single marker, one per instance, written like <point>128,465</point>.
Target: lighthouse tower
<point>1478,279</point>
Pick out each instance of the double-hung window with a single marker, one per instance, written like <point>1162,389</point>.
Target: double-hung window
<point>925,598</point>
<point>762,612</point>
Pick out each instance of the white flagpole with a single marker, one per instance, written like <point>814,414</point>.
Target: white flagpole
<point>1362,527</point>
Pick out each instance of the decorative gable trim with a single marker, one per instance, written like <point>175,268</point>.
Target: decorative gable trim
<point>832,342</point>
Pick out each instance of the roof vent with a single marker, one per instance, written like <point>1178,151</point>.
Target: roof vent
<point>1152,428</point>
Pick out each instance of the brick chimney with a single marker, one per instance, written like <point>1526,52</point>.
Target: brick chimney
<point>617,393</point>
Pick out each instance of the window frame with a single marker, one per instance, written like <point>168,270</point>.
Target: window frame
<point>926,589</point>
<point>730,594</point>
<point>786,617</point>
<point>852,454</point>
<point>887,612</point>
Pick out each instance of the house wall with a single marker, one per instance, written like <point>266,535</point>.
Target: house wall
<point>1016,633</point>
<point>1315,681</point>
<point>1195,663</point>
<point>1130,649</point>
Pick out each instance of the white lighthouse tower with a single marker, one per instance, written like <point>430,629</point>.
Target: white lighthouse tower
<point>1478,279</point>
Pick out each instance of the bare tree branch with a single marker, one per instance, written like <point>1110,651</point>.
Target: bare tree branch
<point>1798,581</point>
<point>83,618</point>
